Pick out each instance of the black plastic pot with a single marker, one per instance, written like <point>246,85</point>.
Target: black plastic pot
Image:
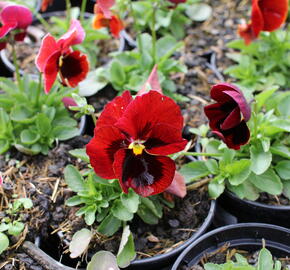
<point>159,262</point>
<point>251,211</point>
<point>245,236</point>
<point>59,5</point>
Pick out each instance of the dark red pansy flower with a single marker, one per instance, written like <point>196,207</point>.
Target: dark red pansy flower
<point>176,2</point>
<point>13,17</point>
<point>267,15</point>
<point>228,117</point>
<point>57,57</point>
<point>111,21</point>
<point>45,4</point>
<point>132,138</point>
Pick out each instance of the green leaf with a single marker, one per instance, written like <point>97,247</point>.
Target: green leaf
<point>120,211</point>
<point>212,166</point>
<point>152,206</point>
<point>284,106</point>
<point>90,214</point>
<point>73,201</point>
<point>80,242</point>
<point>15,228</point>
<point>126,252</point>
<point>65,133</point>
<point>94,82</point>
<point>109,225</point>
<point>4,227</point>
<point>29,137</point>
<point>103,260</point>
<point>269,182</point>
<point>246,190</point>
<point>117,73</point>
<point>194,170</point>
<point>199,12</point>
<point>262,97</point>
<point>130,201</point>
<point>74,179</point>
<point>166,46</point>
<point>22,115</point>
<point>261,160</point>
<point>286,189</point>
<point>26,202</point>
<point>81,154</point>
<point>4,242</point>
<point>283,169</point>
<point>280,150</point>
<point>265,261</point>
<point>238,171</point>
<point>215,189</point>
<point>43,124</point>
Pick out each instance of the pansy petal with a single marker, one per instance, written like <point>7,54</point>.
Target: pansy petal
<point>164,140</point>
<point>74,68</point>
<point>232,120</point>
<point>216,114</point>
<point>145,111</point>
<point>217,92</point>
<point>102,148</point>
<point>146,174</point>
<point>274,13</point>
<point>105,6</point>
<point>116,26</point>
<point>151,83</point>
<point>16,14</point>
<point>50,71</point>
<point>246,32</point>
<point>257,19</point>
<point>114,110</point>
<point>239,98</point>
<point>48,47</point>
<point>99,21</point>
<point>236,136</point>
<point>177,187</point>
<point>75,35</point>
<point>6,28</point>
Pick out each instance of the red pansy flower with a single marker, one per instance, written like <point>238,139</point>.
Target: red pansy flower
<point>57,57</point>
<point>267,15</point>
<point>45,4</point>
<point>228,117</point>
<point>105,18</point>
<point>133,137</point>
<point>13,17</point>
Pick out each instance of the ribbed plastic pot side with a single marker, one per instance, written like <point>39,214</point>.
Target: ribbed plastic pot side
<point>245,236</point>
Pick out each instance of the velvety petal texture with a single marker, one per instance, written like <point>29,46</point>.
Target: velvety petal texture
<point>132,138</point>
<point>267,15</point>
<point>228,117</point>
<point>57,57</point>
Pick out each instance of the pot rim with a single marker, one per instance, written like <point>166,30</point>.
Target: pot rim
<point>257,204</point>
<point>228,228</point>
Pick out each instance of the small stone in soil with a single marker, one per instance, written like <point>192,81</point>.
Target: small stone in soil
<point>174,223</point>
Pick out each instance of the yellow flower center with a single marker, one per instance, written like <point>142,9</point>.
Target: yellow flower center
<point>137,148</point>
<point>60,62</point>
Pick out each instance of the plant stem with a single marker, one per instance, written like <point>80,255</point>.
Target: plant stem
<point>38,89</point>
<point>133,14</point>
<point>94,118</point>
<point>197,154</point>
<point>153,31</point>
<point>68,15</point>
<point>18,78</point>
<point>83,9</point>
<point>255,115</point>
<point>42,21</point>
<point>198,184</point>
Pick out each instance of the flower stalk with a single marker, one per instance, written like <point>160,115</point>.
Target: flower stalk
<point>17,73</point>
<point>83,9</point>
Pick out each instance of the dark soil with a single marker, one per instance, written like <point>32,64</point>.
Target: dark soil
<point>269,199</point>
<point>224,254</point>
